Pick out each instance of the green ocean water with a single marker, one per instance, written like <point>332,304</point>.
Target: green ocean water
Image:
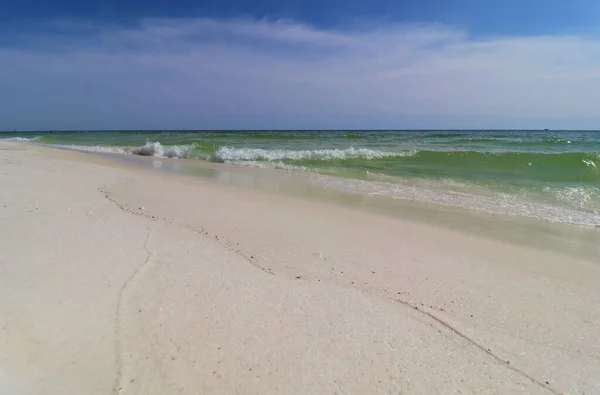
<point>551,175</point>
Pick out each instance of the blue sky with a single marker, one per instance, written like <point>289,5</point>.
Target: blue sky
<point>299,64</point>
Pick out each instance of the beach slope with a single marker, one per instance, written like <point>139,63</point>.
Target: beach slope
<point>115,279</point>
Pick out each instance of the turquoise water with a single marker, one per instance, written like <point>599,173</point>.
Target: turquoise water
<point>552,175</point>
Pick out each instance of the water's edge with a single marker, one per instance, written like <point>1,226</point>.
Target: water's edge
<point>549,175</point>
<point>581,242</point>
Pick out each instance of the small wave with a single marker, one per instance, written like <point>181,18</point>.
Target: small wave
<point>504,141</point>
<point>273,165</point>
<point>589,163</point>
<point>148,149</point>
<point>157,149</point>
<point>544,165</point>
<point>581,197</point>
<point>230,154</point>
<point>444,134</point>
<point>540,142</point>
<point>20,139</point>
<point>581,210</point>
<point>92,148</point>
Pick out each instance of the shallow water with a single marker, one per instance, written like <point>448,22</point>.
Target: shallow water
<point>581,242</point>
<point>550,175</point>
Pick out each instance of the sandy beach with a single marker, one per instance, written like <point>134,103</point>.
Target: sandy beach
<point>119,280</point>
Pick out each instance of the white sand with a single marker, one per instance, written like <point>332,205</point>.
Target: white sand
<point>212,289</point>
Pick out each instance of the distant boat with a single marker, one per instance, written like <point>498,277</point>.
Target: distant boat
<point>545,130</point>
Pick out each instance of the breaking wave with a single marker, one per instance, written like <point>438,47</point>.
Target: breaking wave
<point>19,139</point>
<point>253,154</point>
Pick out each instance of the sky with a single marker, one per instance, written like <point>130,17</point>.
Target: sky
<point>313,64</point>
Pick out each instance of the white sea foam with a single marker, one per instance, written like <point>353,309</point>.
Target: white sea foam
<point>92,148</point>
<point>154,148</point>
<point>149,149</point>
<point>580,210</point>
<point>246,156</point>
<point>589,163</point>
<point>230,154</point>
<point>584,198</point>
<point>20,139</point>
<point>179,151</point>
<point>273,165</point>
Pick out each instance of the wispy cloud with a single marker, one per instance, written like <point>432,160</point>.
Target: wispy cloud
<point>248,73</point>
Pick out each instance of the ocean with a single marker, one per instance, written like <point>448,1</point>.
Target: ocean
<point>548,175</point>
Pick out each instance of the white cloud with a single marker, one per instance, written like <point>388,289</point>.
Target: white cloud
<point>211,73</point>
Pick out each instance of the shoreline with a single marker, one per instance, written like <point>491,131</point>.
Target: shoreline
<point>125,280</point>
<point>575,240</point>
<point>569,199</point>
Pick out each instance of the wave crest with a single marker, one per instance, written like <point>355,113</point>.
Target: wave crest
<point>228,154</point>
<point>19,139</point>
<point>155,148</point>
<point>92,148</point>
